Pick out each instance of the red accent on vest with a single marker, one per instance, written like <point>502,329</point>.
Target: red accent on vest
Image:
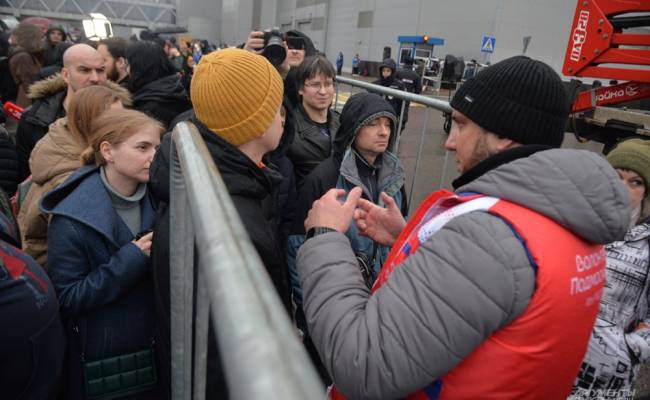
<point>536,356</point>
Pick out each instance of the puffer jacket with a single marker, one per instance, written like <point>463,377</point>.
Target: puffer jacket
<point>620,340</point>
<point>470,279</point>
<point>102,279</point>
<point>341,171</point>
<point>163,99</point>
<point>54,158</point>
<point>310,146</point>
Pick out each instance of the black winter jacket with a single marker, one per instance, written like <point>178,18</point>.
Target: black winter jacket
<point>162,99</point>
<point>392,83</point>
<point>412,83</point>
<point>288,194</point>
<point>310,146</point>
<point>254,193</point>
<point>8,164</point>
<point>47,107</point>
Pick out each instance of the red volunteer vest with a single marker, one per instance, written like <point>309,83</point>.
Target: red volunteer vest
<point>536,356</point>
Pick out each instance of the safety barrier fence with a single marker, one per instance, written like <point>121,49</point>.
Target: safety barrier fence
<point>260,352</point>
<point>430,104</point>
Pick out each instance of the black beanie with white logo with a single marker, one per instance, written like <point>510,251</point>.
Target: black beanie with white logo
<point>517,98</point>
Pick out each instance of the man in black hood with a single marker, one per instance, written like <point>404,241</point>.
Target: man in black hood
<point>53,37</point>
<point>154,82</point>
<point>387,72</point>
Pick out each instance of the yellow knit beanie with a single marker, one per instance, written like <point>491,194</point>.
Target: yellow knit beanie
<point>236,94</point>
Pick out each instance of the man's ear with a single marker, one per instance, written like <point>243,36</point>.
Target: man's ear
<point>502,143</point>
<point>65,74</point>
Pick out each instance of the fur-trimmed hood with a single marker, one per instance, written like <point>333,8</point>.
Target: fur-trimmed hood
<point>55,84</point>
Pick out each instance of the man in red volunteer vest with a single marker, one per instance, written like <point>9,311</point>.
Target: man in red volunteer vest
<point>489,292</point>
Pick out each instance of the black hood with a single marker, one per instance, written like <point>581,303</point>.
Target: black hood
<point>360,109</point>
<point>168,89</point>
<point>55,28</point>
<point>390,63</point>
<point>310,49</point>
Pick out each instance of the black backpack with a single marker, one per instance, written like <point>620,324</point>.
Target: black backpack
<point>8,88</point>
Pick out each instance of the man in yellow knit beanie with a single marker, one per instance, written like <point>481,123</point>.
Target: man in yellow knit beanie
<point>236,98</point>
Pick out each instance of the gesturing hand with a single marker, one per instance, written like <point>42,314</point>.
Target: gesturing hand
<point>329,212</point>
<point>382,225</point>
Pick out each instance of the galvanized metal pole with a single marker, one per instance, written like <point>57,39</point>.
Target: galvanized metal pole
<point>440,105</point>
<point>257,342</point>
<point>201,339</point>
<point>417,161</point>
<point>181,282</point>
<point>399,128</point>
<point>336,98</point>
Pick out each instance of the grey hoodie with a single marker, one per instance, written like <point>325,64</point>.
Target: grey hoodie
<point>468,280</point>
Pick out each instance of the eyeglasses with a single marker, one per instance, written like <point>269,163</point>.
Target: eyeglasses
<point>319,85</point>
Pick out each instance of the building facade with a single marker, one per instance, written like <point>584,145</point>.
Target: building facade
<point>367,26</point>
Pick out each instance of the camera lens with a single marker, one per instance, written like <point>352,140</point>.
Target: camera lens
<point>274,50</point>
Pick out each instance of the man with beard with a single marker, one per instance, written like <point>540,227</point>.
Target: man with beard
<point>114,52</point>
<point>83,66</point>
<point>487,286</point>
<point>315,124</point>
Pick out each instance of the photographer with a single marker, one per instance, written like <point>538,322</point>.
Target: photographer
<point>298,47</point>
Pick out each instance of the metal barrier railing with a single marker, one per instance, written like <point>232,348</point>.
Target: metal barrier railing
<point>429,102</point>
<point>259,349</point>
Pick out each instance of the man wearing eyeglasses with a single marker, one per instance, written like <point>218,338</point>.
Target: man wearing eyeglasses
<point>315,124</point>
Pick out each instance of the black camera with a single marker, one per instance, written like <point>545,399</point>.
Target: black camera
<point>274,49</point>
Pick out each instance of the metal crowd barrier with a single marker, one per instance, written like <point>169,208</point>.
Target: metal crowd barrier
<point>260,351</point>
<point>429,102</point>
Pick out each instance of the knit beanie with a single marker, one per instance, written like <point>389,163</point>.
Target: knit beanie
<point>517,98</point>
<point>236,94</point>
<point>632,154</point>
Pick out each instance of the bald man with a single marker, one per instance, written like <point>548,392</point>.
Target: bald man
<point>83,66</point>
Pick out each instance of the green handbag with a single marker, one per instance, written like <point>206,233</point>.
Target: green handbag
<point>115,377</point>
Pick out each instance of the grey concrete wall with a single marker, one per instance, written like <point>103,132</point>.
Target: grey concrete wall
<point>548,22</point>
<point>237,21</point>
<point>334,25</point>
<point>201,18</point>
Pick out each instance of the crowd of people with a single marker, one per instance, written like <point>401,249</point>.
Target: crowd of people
<point>537,262</point>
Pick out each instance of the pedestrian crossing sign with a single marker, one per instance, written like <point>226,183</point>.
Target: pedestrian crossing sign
<point>488,44</point>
